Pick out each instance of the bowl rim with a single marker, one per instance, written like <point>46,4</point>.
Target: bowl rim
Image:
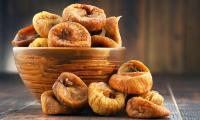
<point>68,48</point>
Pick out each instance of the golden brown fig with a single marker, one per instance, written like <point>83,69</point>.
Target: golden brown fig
<point>91,17</point>
<point>25,36</point>
<point>69,34</point>
<point>154,97</point>
<point>133,77</point>
<point>112,29</point>
<point>39,42</point>
<point>51,106</point>
<point>44,21</point>
<point>70,90</point>
<point>109,36</point>
<point>138,107</point>
<point>101,41</point>
<point>103,100</point>
<point>132,83</point>
<point>133,66</point>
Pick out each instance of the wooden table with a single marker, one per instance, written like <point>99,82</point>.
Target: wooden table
<point>181,92</point>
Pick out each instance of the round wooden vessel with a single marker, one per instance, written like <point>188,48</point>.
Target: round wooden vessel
<point>40,67</point>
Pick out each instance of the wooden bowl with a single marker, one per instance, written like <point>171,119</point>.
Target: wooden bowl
<point>40,67</point>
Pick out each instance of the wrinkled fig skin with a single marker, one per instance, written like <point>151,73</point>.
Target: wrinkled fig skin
<point>138,107</point>
<point>44,21</point>
<point>133,77</point>
<point>91,17</point>
<point>71,91</point>
<point>51,106</point>
<point>154,97</point>
<point>132,83</point>
<point>112,29</point>
<point>39,42</point>
<point>25,36</point>
<point>133,66</point>
<point>69,34</point>
<point>103,100</point>
<point>102,41</point>
<point>109,36</point>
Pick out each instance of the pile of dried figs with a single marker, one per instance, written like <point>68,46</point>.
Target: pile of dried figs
<point>70,94</point>
<point>84,25</point>
<point>81,25</point>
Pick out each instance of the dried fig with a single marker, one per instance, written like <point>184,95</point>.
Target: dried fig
<point>50,105</point>
<point>99,32</point>
<point>44,21</point>
<point>135,83</point>
<point>132,66</point>
<point>25,36</point>
<point>103,100</point>
<point>101,41</point>
<point>91,17</point>
<point>112,29</point>
<point>39,42</point>
<point>154,97</point>
<point>69,34</point>
<point>138,107</point>
<point>70,90</point>
<point>133,78</point>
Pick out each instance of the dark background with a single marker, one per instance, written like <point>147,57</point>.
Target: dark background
<point>164,34</point>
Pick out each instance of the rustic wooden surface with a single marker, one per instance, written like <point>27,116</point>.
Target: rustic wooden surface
<point>181,92</point>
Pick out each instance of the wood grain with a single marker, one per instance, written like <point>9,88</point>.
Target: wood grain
<point>178,36</point>
<point>39,68</point>
<point>158,22</point>
<point>140,45</point>
<point>165,38</point>
<point>193,36</point>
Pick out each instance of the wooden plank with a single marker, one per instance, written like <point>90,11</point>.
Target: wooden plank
<point>141,35</point>
<point>166,33</point>
<point>178,36</point>
<point>13,95</point>
<point>158,35</point>
<point>162,85</point>
<point>130,28</point>
<point>192,44</point>
<point>187,99</point>
<point>186,92</point>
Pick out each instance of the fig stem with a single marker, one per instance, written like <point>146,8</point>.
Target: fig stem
<point>67,82</point>
<point>109,94</point>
